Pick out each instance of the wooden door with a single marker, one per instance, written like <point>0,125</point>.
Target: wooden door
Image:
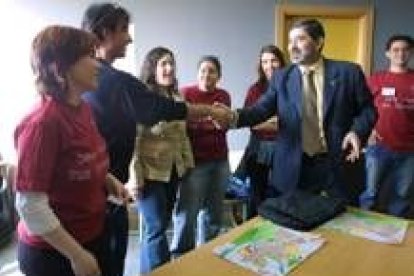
<point>348,30</point>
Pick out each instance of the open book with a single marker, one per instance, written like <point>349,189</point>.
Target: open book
<point>370,225</point>
<point>269,249</point>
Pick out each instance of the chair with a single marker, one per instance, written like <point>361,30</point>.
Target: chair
<point>235,210</point>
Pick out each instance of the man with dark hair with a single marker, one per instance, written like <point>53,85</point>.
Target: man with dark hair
<point>324,111</point>
<point>120,102</point>
<point>390,151</point>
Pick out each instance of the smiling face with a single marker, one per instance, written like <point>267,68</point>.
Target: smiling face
<point>208,76</point>
<point>303,49</point>
<point>165,71</point>
<point>269,62</point>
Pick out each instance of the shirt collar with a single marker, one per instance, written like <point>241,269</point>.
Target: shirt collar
<point>316,67</point>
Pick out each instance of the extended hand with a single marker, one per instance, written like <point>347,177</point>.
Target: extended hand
<point>222,114</point>
<point>352,145</point>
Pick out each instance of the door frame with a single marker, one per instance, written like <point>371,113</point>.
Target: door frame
<point>365,15</point>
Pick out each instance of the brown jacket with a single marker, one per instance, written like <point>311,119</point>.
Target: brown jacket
<point>161,147</point>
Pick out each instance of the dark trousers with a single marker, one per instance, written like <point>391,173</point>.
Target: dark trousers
<point>259,179</point>
<point>116,235</point>
<point>34,261</point>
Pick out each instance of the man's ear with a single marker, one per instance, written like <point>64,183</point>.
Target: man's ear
<point>105,34</point>
<point>388,54</point>
<point>320,43</point>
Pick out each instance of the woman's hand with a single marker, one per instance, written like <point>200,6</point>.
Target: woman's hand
<point>116,188</point>
<point>85,264</point>
<point>269,125</point>
<point>135,190</point>
<point>374,138</point>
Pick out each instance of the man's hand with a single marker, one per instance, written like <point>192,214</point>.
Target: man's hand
<point>352,146</point>
<point>374,138</point>
<point>222,114</point>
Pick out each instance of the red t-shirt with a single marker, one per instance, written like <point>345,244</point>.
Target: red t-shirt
<point>253,95</point>
<point>61,153</point>
<point>394,99</point>
<point>208,142</point>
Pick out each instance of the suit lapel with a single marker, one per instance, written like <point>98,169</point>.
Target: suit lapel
<point>330,86</point>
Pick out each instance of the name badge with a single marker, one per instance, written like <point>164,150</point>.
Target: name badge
<point>388,91</point>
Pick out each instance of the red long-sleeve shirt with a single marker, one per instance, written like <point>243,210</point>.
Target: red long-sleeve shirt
<point>208,142</point>
<point>253,95</point>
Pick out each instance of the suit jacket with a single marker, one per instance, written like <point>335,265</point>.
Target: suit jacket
<point>347,106</point>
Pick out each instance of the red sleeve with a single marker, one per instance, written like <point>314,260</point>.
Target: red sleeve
<point>186,92</point>
<point>251,96</point>
<point>37,149</point>
<point>226,98</point>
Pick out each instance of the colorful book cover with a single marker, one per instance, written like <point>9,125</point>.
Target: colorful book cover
<point>369,225</point>
<point>269,249</point>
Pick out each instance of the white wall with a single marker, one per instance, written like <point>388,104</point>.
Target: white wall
<point>234,30</point>
<point>20,20</point>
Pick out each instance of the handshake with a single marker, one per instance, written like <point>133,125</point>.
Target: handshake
<point>221,115</point>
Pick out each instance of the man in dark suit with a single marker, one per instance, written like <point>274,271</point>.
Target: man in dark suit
<point>324,111</point>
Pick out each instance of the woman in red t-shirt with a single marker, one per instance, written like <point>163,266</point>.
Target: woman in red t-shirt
<point>257,160</point>
<point>62,179</point>
<point>198,211</point>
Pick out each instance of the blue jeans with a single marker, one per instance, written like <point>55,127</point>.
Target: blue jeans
<point>156,205</point>
<point>199,206</point>
<point>386,167</point>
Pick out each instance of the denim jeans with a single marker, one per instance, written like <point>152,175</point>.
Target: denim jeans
<point>386,167</point>
<point>199,206</point>
<point>156,205</point>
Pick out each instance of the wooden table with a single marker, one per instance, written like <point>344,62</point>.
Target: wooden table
<point>341,255</point>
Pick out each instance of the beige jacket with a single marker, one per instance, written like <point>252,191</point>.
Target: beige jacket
<point>161,147</point>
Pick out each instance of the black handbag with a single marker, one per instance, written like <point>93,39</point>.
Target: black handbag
<point>301,210</point>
